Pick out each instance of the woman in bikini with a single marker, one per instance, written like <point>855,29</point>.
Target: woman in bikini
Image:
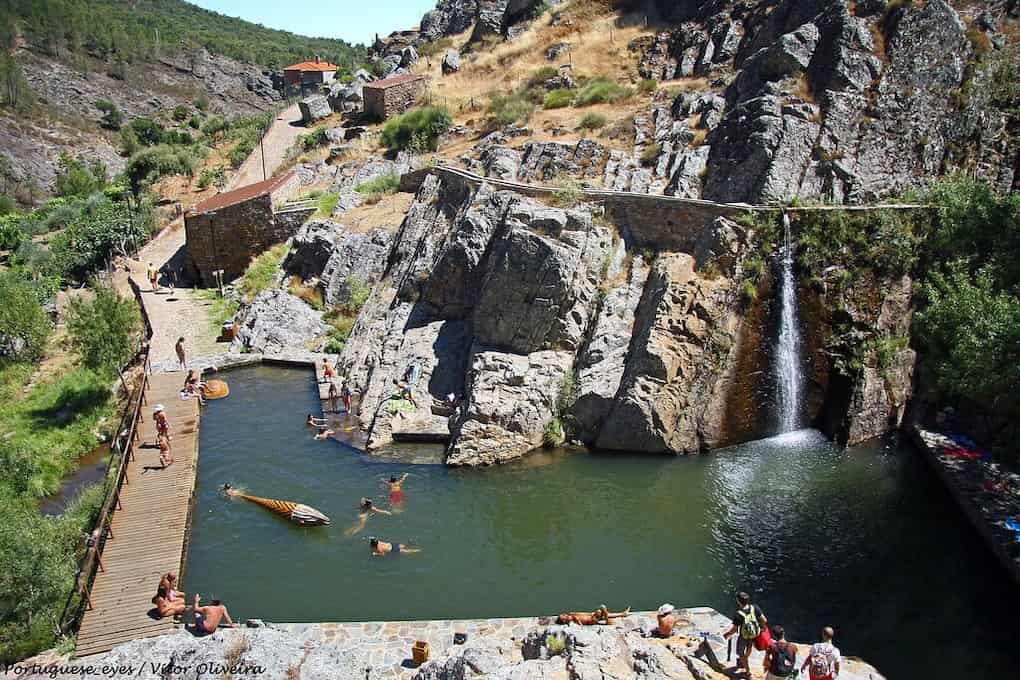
<point>601,616</point>
<point>169,581</point>
<point>164,606</point>
<point>396,491</point>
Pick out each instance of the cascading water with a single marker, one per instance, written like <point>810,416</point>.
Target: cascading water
<point>787,364</point>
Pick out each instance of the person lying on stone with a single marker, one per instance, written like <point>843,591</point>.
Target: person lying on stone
<point>164,606</point>
<point>601,616</point>
<point>380,548</point>
<point>208,618</point>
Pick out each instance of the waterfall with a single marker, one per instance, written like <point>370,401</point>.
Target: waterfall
<point>789,378</point>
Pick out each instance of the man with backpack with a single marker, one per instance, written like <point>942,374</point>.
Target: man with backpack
<point>749,621</point>
<point>780,657</point>
<point>823,659</point>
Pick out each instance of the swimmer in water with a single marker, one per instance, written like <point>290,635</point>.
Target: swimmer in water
<point>324,434</point>
<point>380,548</point>
<point>316,422</point>
<point>365,508</point>
<point>396,492</point>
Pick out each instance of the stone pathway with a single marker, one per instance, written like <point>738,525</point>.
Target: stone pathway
<point>281,136</point>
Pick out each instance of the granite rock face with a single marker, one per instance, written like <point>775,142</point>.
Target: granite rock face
<point>276,321</point>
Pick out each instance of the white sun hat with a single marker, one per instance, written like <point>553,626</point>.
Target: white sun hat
<point>158,408</point>
<point>666,609</point>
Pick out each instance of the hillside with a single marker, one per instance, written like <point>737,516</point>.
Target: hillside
<point>148,58</point>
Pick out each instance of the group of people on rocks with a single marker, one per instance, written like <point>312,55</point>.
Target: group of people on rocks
<point>751,628</point>
<point>170,602</point>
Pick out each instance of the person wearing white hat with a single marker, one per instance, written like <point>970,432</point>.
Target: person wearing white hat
<point>162,424</point>
<point>666,617</point>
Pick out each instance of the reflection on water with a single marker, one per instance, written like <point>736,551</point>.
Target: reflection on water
<point>864,540</point>
<point>91,468</point>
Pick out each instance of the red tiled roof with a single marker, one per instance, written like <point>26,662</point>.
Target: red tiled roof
<point>241,195</point>
<point>312,66</point>
<point>395,80</point>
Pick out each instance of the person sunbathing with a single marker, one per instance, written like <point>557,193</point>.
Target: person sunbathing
<point>601,616</point>
<point>194,386</point>
<point>165,606</point>
<point>380,548</point>
<point>169,581</point>
<point>208,618</point>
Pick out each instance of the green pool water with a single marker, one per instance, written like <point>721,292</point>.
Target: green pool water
<point>863,539</point>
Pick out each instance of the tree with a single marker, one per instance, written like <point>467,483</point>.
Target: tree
<point>104,330</point>
<point>24,324</point>
<point>75,178</point>
<point>15,90</point>
<point>112,119</point>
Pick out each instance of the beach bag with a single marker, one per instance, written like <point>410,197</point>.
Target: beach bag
<point>750,628</point>
<point>763,640</point>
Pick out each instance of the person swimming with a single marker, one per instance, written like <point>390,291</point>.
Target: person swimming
<point>365,509</point>
<point>380,548</point>
<point>316,422</point>
<point>396,490</point>
<point>325,434</point>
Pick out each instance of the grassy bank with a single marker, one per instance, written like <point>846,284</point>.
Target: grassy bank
<point>44,432</point>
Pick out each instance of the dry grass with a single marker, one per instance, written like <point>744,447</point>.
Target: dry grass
<point>386,214</point>
<point>312,295</point>
<point>598,47</point>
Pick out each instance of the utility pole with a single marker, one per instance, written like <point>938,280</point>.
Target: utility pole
<point>262,147</point>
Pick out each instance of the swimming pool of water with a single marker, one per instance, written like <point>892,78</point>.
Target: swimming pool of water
<point>865,540</point>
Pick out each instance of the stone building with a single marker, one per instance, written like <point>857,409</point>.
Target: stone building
<point>226,230</point>
<point>392,96</point>
<point>308,77</point>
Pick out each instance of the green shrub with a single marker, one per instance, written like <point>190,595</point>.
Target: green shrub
<point>601,90</point>
<point>568,192</point>
<point>648,86</point>
<point>149,165</point>
<point>104,330</point>
<point>432,48</point>
<point>650,154</point>
<point>10,232</point>
<point>181,113</point>
<point>507,109</point>
<point>240,152</point>
<point>147,131</point>
<point>553,434</point>
<point>558,99</point>
<point>261,273</point>
<point>314,139</point>
<point>326,203</point>
<point>75,178</point>
<point>24,324</point>
<point>383,184</point>
<point>112,118</point>
<point>417,130</point>
<point>195,122</point>
<point>201,103</point>
<point>212,176</point>
<point>214,126</point>
<point>592,121</point>
<point>541,75</point>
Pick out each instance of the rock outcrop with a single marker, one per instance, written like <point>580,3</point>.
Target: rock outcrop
<point>276,321</point>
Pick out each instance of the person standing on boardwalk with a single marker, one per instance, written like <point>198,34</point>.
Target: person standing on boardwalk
<point>780,657</point>
<point>748,621</point>
<point>153,278</point>
<point>162,424</point>
<point>181,354</point>
<point>822,662</point>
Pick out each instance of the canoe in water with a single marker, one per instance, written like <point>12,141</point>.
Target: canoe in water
<point>299,513</point>
<point>216,389</point>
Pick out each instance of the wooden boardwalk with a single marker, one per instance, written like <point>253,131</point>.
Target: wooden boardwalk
<point>148,530</point>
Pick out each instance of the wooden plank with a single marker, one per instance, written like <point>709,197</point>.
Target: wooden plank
<point>148,531</point>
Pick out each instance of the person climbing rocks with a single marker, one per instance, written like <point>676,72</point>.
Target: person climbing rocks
<point>665,620</point>
<point>153,276</point>
<point>181,354</point>
<point>822,662</point>
<point>345,395</point>
<point>748,621</point>
<point>780,656</point>
<point>327,371</point>
<point>380,548</point>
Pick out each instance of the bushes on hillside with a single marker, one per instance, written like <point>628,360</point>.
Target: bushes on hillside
<point>417,130</point>
<point>76,178</point>
<point>558,99</point>
<point>507,109</point>
<point>601,90</point>
<point>148,165</point>
<point>104,330</point>
<point>24,324</point>
<point>112,118</point>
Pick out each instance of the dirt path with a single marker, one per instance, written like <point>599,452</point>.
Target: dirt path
<point>281,136</point>
<point>185,312</point>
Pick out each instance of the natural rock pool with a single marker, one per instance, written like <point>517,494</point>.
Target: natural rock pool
<point>865,540</point>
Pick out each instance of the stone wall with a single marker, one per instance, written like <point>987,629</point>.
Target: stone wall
<point>383,102</point>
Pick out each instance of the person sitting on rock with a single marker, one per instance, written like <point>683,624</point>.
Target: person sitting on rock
<point>601,616</point>
<point>207,618</point>
<point>165,606</point>
<point>380,548</point>
<point>666,620</point>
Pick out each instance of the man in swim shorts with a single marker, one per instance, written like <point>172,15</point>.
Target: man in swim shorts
<point>208,618</point>
<point>380,548</point>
